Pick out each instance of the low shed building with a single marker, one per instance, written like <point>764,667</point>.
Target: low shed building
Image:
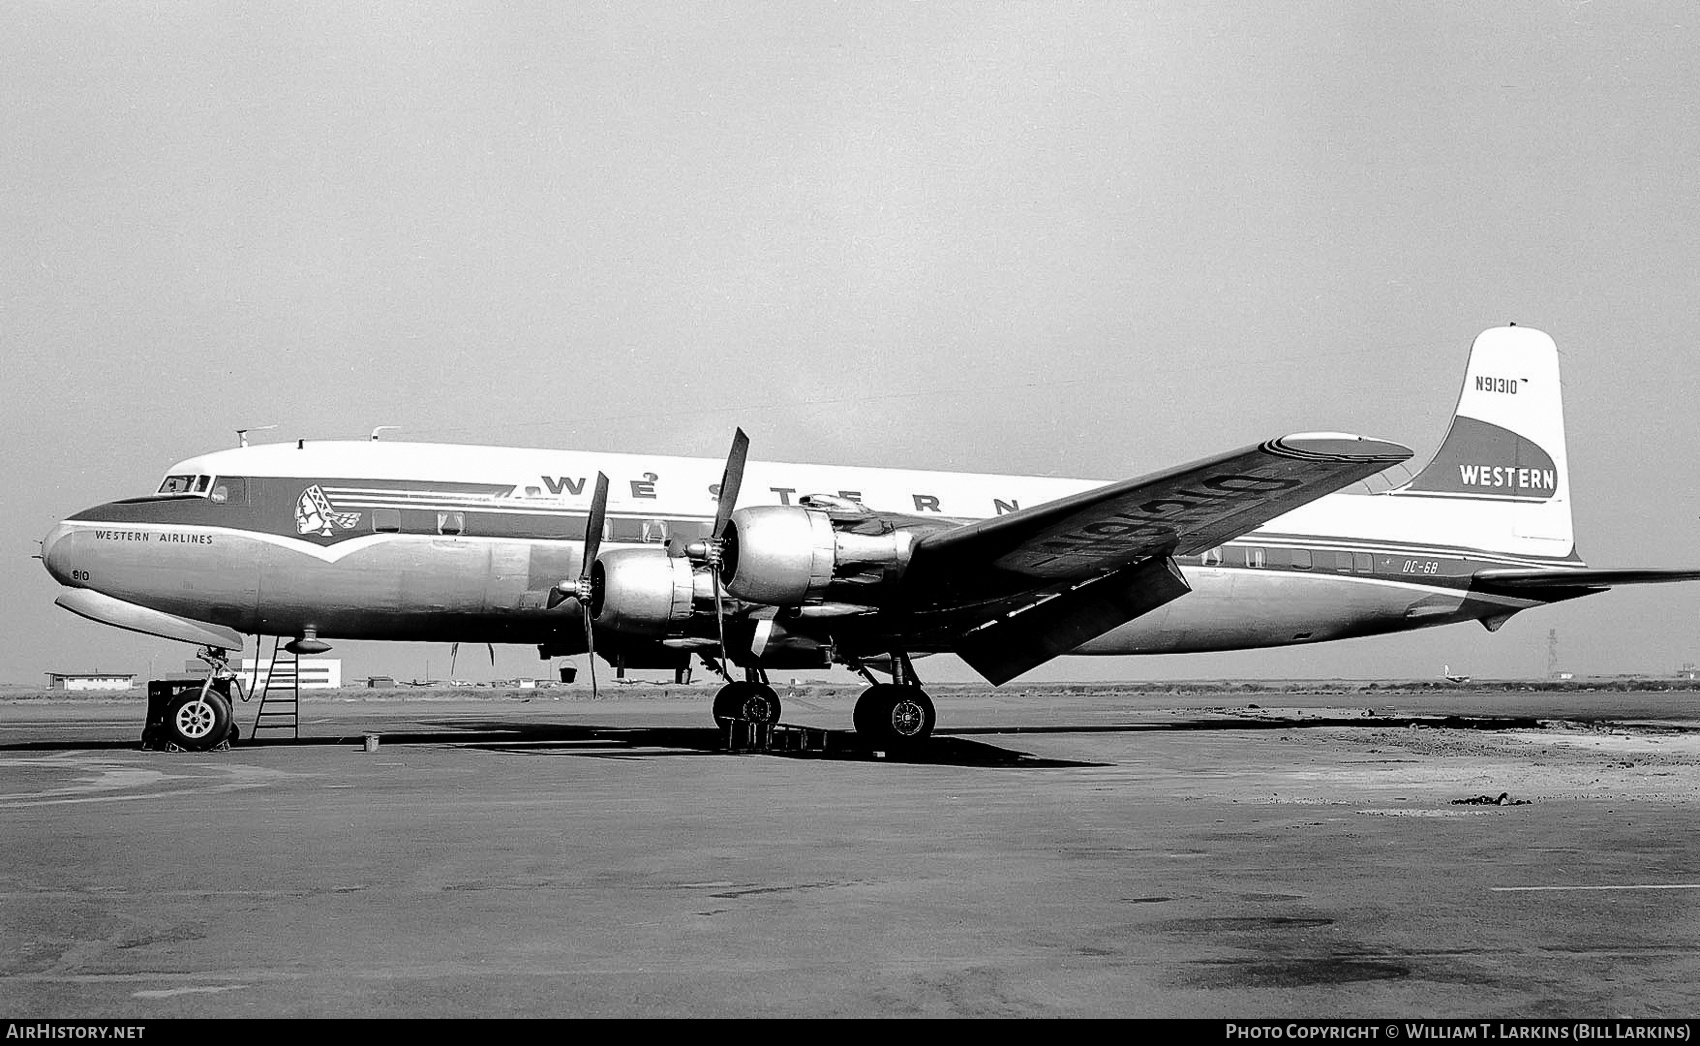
<point>91,680</point>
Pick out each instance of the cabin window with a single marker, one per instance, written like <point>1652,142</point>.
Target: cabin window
<point>1343,562</point>
<point>451,523</point>
<point>201,484</point>
<point>229,489</point>
<point>1301,558</point>
<point>1254,556</point>
<point>654,531</point>
<point>1364,562</point>
<point>1212,557</point>
<point>386,520</point>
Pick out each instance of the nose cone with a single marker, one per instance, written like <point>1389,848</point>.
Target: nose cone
<point>53,554</point>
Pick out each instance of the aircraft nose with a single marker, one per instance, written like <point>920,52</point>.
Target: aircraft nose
<point>53,554</point>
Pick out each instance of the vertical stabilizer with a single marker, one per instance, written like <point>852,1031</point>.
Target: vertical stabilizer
<point>1503,464</point>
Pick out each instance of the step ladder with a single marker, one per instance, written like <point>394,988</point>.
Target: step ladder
<point>280,697</point>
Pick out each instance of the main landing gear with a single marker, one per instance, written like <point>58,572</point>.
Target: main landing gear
<point>895,715</point>
<point>747,700</point>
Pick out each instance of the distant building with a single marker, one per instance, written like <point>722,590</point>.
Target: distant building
<point>317,673</point>
<point>91,680</point>
<point>380,682</point>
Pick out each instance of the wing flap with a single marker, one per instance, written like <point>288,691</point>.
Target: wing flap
<point>1025,639</point>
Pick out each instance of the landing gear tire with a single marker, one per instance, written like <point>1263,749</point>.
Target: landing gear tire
<point>745,702</point>
<point>890,716</point>
<point>198,722</point>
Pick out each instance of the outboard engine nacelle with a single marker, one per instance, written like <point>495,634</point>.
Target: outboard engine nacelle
<point>790,556</point>
<point>642,592</point>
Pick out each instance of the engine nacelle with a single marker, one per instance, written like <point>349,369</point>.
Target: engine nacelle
<point>641,591</point>
<point>789,555</point>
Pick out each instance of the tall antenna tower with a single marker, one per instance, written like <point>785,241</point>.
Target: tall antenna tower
<point>1552,653</point>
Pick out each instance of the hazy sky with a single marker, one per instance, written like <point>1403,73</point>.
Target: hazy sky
<point>1081,240</point>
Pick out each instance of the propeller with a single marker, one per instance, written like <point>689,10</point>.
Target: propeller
<point>710,552</point>
<point>582,589</point>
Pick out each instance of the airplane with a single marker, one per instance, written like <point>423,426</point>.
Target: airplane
<point>648,561</point>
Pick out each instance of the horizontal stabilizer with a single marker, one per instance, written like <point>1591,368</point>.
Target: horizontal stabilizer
<point>1559,579</point>
<point>109,611</point>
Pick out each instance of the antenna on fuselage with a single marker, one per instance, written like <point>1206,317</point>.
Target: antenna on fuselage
<point>381,428</point>
<point>242,434</point>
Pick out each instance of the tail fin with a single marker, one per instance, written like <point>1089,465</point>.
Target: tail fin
<point>1503,463</point>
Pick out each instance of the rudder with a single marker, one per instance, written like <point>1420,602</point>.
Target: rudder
<point>1503,460</point>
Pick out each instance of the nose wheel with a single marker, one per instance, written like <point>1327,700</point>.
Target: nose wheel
<point>197,721</point>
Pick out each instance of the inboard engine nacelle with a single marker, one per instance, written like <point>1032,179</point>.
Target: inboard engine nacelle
<point>790,556</point>
<point>645,592</point>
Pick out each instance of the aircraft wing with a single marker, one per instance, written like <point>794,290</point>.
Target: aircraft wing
<point>1181,511</point>
<point>1565,582</point>
<point>1022,588</point>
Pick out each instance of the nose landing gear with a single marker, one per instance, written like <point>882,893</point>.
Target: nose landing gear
<point>192,717</point>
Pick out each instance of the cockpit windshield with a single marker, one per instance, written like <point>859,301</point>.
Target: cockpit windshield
<point>198,485</point>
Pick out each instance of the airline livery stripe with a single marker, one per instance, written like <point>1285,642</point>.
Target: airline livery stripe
<point>1461,593</point>
<point>1407,548</point>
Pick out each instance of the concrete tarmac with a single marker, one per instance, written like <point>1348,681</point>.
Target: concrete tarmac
<point>1066,852</point>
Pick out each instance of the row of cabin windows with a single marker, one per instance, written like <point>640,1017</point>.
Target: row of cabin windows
<point>1297,558</point>
<point>641,531</point>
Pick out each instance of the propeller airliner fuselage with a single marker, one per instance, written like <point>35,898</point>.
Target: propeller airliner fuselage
<point>649,561</point>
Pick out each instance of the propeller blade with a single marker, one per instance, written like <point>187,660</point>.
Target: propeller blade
<point>730,481</point>
<point>593,526</point>
<point>492,648</point>
<point>592,546</point>
<point>594,523</point>
<point>720,620</point>
<point>454,650</point>
<point>590,650</point>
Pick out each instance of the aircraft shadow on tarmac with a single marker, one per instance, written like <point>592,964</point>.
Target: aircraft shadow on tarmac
<point>952,749</point>
<point>614,742</point>
<point>1277,722</point>
<point>651,742</point>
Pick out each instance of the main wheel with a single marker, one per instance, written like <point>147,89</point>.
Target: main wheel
<point>198,722</point>
<point>892,716</point>
<point>746,702</point>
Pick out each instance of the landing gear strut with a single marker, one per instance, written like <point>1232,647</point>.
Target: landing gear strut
<point>749,700</point>
<point>895,715</point>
